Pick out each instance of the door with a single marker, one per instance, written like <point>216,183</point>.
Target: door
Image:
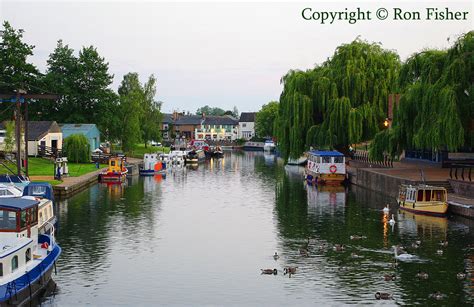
<point>54,147</point>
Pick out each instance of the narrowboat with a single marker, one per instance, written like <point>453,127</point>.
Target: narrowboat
<point>423,199</point>
<point>27,258</point>
<point>116,172</point>
<point>151,165</point>
<point>43,192</point>
<point>325,167</point>
<point>177,158</point>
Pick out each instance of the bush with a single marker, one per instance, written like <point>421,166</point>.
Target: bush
<point>77,148</point>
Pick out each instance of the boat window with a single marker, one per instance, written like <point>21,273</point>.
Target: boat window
<point>338,159</point>
<point>112,163</point>
<point>7,220</point>
<point>38,190</point>
<point>420,195</point>
<point>427,195</point>
<point>438,195</point>
<point>14,263</point>
<point>28,255</point>
<point>326,159</point>
<point>5,193</point>
<point>1,269</point>
<point>23,219</point>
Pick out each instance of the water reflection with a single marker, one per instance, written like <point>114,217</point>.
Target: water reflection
<point>200,237</point>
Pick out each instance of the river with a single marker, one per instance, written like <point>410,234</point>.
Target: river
<point>200,237</point>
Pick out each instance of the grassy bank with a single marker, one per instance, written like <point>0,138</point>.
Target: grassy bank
<point>140,150</point>
<point>45,167</point>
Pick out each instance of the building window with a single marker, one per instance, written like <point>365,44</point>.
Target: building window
<point>244,125</point>
<point>28,255</point>
<point>14,263</point>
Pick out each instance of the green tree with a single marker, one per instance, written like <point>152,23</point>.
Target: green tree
<point>16,71</point>
<point>9,136</point>
<point>131,109</point>
<point>210,111</point>
<point>151,115</point>
<point>436,107</point>
<point>77,148</point>
<point>265,119</point>
<point>342,101</point>
<point>83,83</point>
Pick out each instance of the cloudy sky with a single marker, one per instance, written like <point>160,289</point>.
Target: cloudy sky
<point>221,54</point>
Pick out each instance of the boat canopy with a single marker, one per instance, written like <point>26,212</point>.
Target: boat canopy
<point>39,189</point>
<point>324,153</point>
<point>17,204</point>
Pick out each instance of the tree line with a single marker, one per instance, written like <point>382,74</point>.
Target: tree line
<point>344,101</point>
<point>83,82</point>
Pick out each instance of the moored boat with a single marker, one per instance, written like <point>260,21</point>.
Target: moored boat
<point>195,156</point>
<point>152,165</point>
<point>423,199</point>
<point>43,192</point>
<point>27,258</point>
<point>269,146</point>
<point>325,167</point>
<point>9,190</point>
<point>19,181</point>
<point>300,161</point>
<point>116,172</point>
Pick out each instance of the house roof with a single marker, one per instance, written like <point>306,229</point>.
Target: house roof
<point>189,120</point>
<point>247,117</point>
<point>220,120</point>
<point>69,129</point>
<point>38,129</point>
<point>167,118</point>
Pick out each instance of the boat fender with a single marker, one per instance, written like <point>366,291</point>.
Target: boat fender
<point>44,245</point>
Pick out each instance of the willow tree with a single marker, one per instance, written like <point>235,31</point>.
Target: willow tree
<point>339,102</point>
<point>436,109</point>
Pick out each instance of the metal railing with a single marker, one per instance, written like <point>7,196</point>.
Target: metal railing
<point>461,171</point>
<point>363,156</point>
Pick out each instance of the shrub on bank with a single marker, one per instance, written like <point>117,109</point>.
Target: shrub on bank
<point>77,148</point>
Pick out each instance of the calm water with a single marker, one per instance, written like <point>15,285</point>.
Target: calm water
<point>200,237</point>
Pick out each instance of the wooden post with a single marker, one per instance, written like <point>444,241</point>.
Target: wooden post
<point>18,133</point>
<point>26,138</point>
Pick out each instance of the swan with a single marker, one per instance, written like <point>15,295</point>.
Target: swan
<point>386,209</point>
<point>392,220</point>
<point>403,256</point>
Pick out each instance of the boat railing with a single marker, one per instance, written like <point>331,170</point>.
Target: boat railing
<point>461,171</point>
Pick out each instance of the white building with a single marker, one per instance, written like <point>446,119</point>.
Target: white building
<point>247,125</point>
<point>217,128</point>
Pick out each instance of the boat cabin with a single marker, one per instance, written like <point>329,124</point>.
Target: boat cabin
<point>43,192</point>
<point>422,193</point>
<point>149,161</point>
<point>19,216</point>
<point>116,165</point>
<point>326,162</point>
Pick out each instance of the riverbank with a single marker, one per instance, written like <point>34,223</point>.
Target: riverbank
<point>72,185</point>
<point>388,180</point>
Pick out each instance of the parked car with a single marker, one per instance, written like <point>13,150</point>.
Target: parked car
<point>158,144</point>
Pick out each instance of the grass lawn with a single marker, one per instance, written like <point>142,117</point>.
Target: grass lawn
<point>140,150</point>
<point>45,167</point>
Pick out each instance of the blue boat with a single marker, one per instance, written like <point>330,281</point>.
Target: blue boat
<point>27,258</point>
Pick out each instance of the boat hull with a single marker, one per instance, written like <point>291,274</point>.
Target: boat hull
<point>38,277</point>
<point>112,177</point>
<point>150,172</point>
<point>325,179</point>
<point>428,208</point>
